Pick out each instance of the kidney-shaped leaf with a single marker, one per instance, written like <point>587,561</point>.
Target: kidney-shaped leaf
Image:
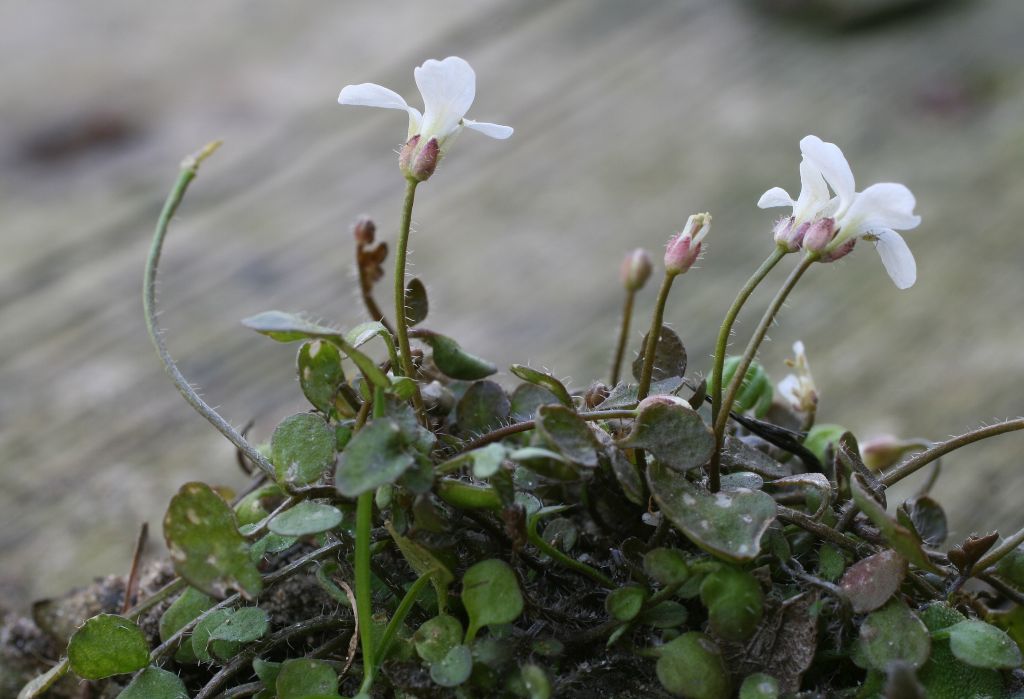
<point>669,356</point>
<point>206,547</point>
<point>154,683</point>
<point>490,594</point>
<point>727,524</point>
<point>302,449</point>
<point>107,645</point>
<point>891,634</point>
<point>306,518</point>
<point>983,645</point>
<point>303,678</point>
<point>673,432</point>
<point>564,430</point>
<point>375,456</point>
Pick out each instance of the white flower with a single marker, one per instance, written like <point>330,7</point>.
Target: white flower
<point>798,389</point>
<point>447,87</point>
<point>874,214</point>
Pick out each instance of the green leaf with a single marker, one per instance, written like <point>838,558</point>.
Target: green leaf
<point>307,517</point>
<point>483,407</point>
<point>570,436</point>
<point>452,360</point>
<point>289,327</point>
<point>253,507</point>
<point>734,601</point>
<point>759,686</point>
<point>320,374</point>
<point>243,625</point>
<point>925,517</point>
<point>666,566</point>
<point>869,583</point>
<point>535,682</point>
<point>454,668</point>
<point>490,594</point>
<point>41,683</point>
<point>691,666</point>
<point>302,678</point>
<point>982,645</point>
<point>189,605</point>
<point>669,356</point>
<point>302,449</point>
<point>624,395</point>
<point>436,637</point>
<point>893,633</point>
<point>527,398</point>
<point>107,645</point>
<point>673,432</point>
<point>206,547</point>
<point>154,683</point>
<point>423,561</point>
<point>664,615</point>
<point>267,671</point>
<point>487,460</point>
<point>821,437</point>
<point>416,303</point>
<point>903,540</point>
<point>625,603</point>
<point>375,456</point>
<point>626,473</point>
<point>544,380</point>
<point>205,647</point>
<point>727,524</point>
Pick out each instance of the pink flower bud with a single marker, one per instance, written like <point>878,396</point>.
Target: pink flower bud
<point>819,234</point>
<point>408,153</point>
<point>684,248</point>
<point>426,161</point>
<point>788,235</point>
<point>636,269</point>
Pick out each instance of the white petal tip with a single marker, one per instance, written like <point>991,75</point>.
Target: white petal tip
<point>497,131</point>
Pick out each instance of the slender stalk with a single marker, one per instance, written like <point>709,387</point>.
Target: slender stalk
<point>408,600</point>
<point>620,350</point>
<point>189,167</point>
<point>730,318</point>
<point>653,335</point>
<point>527,425</point>
<point>364,524</point>
<point>401,321</point>
<point>722,419</point>
<point>918,461</point>
<point>571,563</point>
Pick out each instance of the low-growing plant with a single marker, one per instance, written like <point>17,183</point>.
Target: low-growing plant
<point>423,531</point>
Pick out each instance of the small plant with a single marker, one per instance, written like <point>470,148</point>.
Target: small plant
<point>423,531</point>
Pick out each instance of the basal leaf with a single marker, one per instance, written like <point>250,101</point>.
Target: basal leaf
<point>107,645</point>
<point>669,356</point>
<point>303,678</point>
<point>544,380</point>
<point>307,517</point>
<point>452,360</point>
<point>483,407</point>
<point>564,430</point>
<point>673,432</point>
<point>155,683</point>
<point>490,594</point>
<point>375,456</point>
<point>302,449</point>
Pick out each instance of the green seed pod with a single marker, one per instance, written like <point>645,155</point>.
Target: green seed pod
<point>756,393</point>
<point>734,601</point>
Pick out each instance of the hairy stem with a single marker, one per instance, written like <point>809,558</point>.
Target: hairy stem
<point>401,321</point>
<point>722,419</point>
<point>364,525</point>
<point>527,425</point>
<point>620,350</point>
<point>653,335</point>
<point>189,167</point>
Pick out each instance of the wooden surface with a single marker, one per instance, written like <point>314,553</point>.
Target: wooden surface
<point>628,117</point>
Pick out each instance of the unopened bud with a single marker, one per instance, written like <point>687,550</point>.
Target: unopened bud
<point>364,230</point>
<point>595,395</point>
<point>408,153</point>
<point>636,269</point>
<point>684,248</point>
<point>884,451</point>
<point>789,236</point>
<point>419,162</point>
<point>819,234</point>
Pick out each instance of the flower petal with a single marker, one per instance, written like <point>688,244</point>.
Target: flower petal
<point>448,88</point>
<point>788,389</point>
<point>831,163</point>
<point>371,95</point>
<point>896,257</point>
<point>814,196</point>
<point>883,205</point>
<point>493,130</point>
<point>776,196</point>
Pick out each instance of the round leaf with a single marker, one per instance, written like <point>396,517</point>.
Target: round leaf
<point>564,430</point>
<point>302,449</point>
<point>490,594</point>
<point>190,604</point>
<point>243,625</point>
<point>204,646</point>
<point>691,666</point>
<point>302,678</point>
<point>436,636</point>
<point>894,633</point>
<point>306,518</point>
<point>454,668</point>
<point>483,407</point>
<point>871,582</point>
<point>666,566</point>
<point>154,683</point>
<point>759,686</point>
<point>669,356</point>
<point>375,457</point>
<point>626,602</point>
<point>107,645</point>
<point>320,374</point>
<point>673,432</point>
<point>983,645</point>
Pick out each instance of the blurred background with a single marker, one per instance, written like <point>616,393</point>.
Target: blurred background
<point>628,117</point>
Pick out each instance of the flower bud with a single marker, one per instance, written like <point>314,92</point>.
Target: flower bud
<point>884,451</point>
<point>418,163</point>
<point>819,234</point>
<point>684,248</point>
<point>788,235</point>
<point>408,154</point>
<point>636,269</point>
<point>364,230</point>
<point>595,395</point>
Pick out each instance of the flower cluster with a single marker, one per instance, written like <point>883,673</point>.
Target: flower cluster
<point>827,224</point>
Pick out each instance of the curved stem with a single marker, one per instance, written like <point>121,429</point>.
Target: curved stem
<point>401,321</point>
<point>918,461</point>
<point>364,610</point>
<point>748,357</point>
<point>653,335</point>
<point>620,350</point>
<point>527,425</point>
<point>189,167</point>
<point>571,563</point>
<point>730,319</point>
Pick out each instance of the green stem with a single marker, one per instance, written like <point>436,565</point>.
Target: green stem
<point>722,419</point>
<point>919,461</point>
<point>620,350</point>
<point>653,335</point>
<point>401,321</point>
<point>572,563</point>
<point>189,167</point>
<point>526,426</point>
<point>364,524</point>
<point>400,613</point>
